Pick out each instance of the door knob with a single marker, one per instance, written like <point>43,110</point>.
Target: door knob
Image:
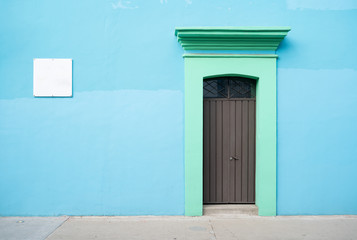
<point>233,158</point>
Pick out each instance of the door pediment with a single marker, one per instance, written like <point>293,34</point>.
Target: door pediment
<point>231,38</point>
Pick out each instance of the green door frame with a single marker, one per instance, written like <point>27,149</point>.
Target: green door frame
<point>263,69</point>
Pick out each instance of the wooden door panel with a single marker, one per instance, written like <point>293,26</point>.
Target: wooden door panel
<point>251,152</point>
<point>225,151</point>
<point>212,152</point>
<point>232,150</point>
<point>238,148</point>
<point>229,131</point>
<point>206,149</point>
<point>244,159</point>
<point>219,151</point>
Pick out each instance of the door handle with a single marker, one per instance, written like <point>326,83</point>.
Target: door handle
<point>233,158</point>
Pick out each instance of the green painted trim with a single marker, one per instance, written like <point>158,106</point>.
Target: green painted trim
<point>231,75</point>
<point>232,28</point>
<point>230,38</point>
<point>261,68</point>
<point>193,55</point>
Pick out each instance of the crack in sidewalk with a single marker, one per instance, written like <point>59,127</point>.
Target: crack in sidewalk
<point>212,230</point>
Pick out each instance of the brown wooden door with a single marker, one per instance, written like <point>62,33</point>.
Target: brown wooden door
<point>229,150</point>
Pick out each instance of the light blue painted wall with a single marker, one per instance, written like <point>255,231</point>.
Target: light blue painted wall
<point>98,153</point>
<point>317,131</point>
<point>317,141</point>
<point>116,147</point>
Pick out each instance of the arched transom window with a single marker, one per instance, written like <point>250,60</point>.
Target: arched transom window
<point>229,87</point>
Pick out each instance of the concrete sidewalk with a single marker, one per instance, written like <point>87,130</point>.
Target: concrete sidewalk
<point>175,228</point>
<point>29,228</point>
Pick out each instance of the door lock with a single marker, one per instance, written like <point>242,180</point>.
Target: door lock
<point>233,158</point>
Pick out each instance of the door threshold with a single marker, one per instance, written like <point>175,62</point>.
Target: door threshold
<point>230,209</point>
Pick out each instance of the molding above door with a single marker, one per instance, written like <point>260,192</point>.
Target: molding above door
<point>200,55</point>
<point>230,38</point>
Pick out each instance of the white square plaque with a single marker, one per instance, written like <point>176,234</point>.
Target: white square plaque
<point>52,77</point>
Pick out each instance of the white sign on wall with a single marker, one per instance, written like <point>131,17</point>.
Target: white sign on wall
<point>52,77</point>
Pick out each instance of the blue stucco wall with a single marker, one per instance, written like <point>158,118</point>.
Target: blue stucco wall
<point>317,82</point>
<point>116,147</point>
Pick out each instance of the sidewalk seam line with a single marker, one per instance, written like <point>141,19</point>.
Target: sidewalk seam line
<point>57,228</point>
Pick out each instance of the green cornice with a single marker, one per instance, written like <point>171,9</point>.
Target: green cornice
<point>195,55</point>
<point>231,38</point>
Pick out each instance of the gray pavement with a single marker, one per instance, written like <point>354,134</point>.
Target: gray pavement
<point>28,228</point>
<point>216,227</point>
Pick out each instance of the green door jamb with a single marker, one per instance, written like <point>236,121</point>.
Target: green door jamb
<point>260,67</point>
